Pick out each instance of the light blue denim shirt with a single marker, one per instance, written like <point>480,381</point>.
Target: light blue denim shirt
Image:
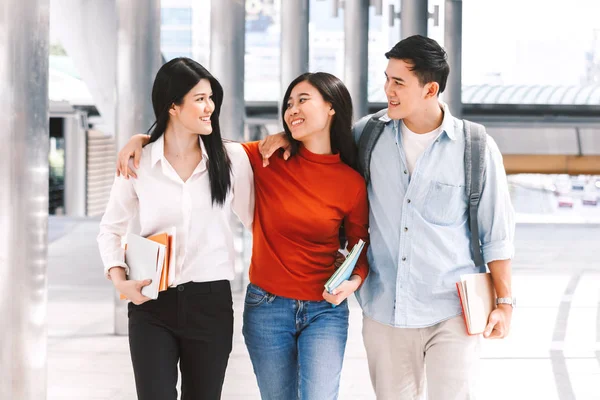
<point>420,243</point>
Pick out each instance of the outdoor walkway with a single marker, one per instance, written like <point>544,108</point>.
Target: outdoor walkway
<point>553,351</point>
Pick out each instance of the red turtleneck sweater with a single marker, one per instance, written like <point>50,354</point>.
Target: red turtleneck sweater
<point>300,205</point>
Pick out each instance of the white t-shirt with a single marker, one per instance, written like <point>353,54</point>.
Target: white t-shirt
<point>415,144</point>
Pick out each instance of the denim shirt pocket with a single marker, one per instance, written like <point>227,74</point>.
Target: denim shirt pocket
<point>445,204</point>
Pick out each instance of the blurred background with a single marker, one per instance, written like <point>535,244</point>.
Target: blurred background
<point>75,81</point>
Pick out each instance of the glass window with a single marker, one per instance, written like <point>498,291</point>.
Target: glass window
<point>169,55</point>
<point>176,39</point>
<point>326,39</point>
<point>185,29</point>
<point>528,49</point>
<point>262,69</point>
<point>176,16</point>
<point>384,33</point>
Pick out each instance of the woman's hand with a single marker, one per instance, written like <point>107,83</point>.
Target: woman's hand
<point>130,289</point>
<point>133,290</point>
<point>343,291</point>
<point>133,148</point>
<point>272,143</point>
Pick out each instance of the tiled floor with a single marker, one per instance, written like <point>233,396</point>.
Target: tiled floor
<point>553,351</point>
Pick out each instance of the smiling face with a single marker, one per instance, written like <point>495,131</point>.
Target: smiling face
<point>307,113</point>
<point>404,92</point>
<point>193,114</point>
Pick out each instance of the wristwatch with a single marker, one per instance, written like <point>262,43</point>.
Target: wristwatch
<point>507,300</point>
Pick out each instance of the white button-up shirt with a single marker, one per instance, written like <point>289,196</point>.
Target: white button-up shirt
<point>204,236</point>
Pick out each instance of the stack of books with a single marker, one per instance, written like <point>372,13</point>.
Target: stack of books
<point>151,258</point>
<point>344,272</point>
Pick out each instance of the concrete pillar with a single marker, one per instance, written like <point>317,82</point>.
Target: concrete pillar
<point>24,37</point>
<point>356,43</point>
<point>453,44</point>
<point>77,24</point>
<point>413,18</point>
<point>75,127</point>
<point>138,61</point>
<point>294,41</point>
<point>227,50</point>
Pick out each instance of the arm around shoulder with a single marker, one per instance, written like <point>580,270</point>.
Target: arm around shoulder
<point>271,144</point>
<point>242,184</point>
<point>132,149</point>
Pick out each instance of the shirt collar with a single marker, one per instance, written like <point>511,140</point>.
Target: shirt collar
<point>158,150</point>
<point>385,118</point>
<point>447,122</point>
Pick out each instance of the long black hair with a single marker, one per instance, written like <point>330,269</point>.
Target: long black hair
<point>335,92</point>
<point>173,81</point>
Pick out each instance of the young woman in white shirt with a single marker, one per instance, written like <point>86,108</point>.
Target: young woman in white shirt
<point>188,178</point>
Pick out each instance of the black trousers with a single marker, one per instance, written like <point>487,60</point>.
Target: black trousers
<point>191,323</point>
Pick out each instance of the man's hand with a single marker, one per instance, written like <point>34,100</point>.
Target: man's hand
<point>272,143</point>
<point>133,290</point>
<point>133,148</point>
<point>343,291</point>
<point>499,322</point>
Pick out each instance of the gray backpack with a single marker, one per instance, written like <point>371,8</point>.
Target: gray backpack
<point>475,138</point>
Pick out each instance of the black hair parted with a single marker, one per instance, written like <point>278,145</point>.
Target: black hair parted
<point>429,60</point>
<point>173,81</point>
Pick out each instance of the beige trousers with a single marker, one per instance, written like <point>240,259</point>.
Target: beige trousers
<point>435,363</point>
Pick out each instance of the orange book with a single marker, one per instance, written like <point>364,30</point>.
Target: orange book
<point>166,240</point>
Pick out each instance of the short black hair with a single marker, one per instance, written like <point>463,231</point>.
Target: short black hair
<point>429,60</point>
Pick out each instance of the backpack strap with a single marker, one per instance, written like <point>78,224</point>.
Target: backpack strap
<point>475,145</point>
<point>367,141</point>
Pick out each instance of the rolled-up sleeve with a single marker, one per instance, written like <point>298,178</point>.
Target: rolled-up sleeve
<point>496,216</point>
<point>122,207</point>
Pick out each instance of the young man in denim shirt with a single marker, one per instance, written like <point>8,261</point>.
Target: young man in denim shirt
<point>420,237</point>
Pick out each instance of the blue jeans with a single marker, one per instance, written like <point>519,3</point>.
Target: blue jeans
<point>296,347</point>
